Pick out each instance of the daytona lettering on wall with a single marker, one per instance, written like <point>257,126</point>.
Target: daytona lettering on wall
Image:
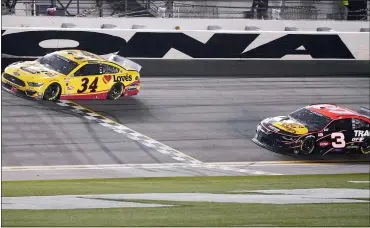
<point>21,43</point>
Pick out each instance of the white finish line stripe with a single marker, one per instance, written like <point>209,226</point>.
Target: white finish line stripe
<point>134,166</point>
<point>145,141</point>
<point>168,165</point>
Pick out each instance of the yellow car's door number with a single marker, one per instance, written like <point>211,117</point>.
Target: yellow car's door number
<point>93,86</point>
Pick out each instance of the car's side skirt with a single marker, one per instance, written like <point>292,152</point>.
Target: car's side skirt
<point>89,96</point>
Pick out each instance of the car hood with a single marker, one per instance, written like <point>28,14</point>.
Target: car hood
<point>31,71</point>
<point>285,125</point>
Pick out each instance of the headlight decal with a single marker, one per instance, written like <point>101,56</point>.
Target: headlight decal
<point>35,84</point>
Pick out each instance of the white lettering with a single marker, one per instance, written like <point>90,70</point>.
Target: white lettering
<point>357,139</point>
<point>361,133</point>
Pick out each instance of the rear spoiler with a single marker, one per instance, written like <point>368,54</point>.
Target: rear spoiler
<point>364,111</point>
<point>124,62</point>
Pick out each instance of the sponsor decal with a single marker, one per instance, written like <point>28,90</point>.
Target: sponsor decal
<point>362,133</point>
<point>133,86</point>
<point>291,127</point>
<point>158,44</point>
<point>324,144</point>
<point>320,134</point>
<point>70,87</point>
<point>353,146</point>
<point>67,79</point>
<point>107,78</point>
<point>123,78</point>
<point>358,139</point>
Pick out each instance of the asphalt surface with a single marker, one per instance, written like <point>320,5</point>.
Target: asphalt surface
<point>214,120</point>
<point>211,120</point>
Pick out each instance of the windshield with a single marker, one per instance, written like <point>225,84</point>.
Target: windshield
<point>58,63</point>
<point>313,120</point>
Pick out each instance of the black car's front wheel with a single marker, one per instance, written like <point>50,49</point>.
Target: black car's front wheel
<point>52,92</point>
<point>115,92</point>
<point>308,145</point>
<point>365,147</point>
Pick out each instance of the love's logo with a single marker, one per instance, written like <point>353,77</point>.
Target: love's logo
<point>107,78</point>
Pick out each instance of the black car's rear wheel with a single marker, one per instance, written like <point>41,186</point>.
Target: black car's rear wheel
<point>116,91</point>
<point>52,92</point>
<point>365,146</point>
<point>308,145</point>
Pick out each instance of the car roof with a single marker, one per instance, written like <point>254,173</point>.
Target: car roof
<point>336,112</point>
<point>80,56</point>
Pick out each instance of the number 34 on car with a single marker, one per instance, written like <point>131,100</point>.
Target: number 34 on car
<point>73,74</point>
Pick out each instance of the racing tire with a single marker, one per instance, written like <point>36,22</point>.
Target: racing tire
<point>116,91</point>
<point>308,145</point>
<point>52,92</point>
<point>365,147</point>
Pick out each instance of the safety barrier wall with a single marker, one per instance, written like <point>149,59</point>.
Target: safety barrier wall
<point>182,23</point>
<point>204,53</point>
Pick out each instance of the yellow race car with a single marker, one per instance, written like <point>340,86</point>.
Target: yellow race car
<point>73,74</point>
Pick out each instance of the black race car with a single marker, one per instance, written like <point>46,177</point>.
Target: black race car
<point>319,128</point>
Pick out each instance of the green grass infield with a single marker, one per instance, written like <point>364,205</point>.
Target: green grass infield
<point>191,213</point>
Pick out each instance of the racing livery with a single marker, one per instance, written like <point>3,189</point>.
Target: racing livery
<point>318,128</point>
<point>73,74</point>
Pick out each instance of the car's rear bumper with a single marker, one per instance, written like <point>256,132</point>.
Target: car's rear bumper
<point>132,89</point>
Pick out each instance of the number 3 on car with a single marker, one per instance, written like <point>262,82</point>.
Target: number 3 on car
<point>339,140</point>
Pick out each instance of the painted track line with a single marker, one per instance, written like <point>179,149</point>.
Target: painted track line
<point>133,166</point>
<point>147,141</point>
<point>167,165</point>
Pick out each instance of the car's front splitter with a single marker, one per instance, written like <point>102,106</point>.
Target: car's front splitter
<point>20,93</point>
<point>288,151</point>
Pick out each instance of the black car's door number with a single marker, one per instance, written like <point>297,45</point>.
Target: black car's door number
<point>93,86</point>
<point>339,140</point>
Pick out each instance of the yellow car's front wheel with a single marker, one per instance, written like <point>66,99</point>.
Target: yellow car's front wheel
<point>52,92</point>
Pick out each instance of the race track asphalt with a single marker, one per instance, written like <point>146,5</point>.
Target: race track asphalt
<point>211,120</point>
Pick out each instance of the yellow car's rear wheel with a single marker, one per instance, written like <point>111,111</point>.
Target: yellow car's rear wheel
<point>116,91</point>
<point>52,92</point>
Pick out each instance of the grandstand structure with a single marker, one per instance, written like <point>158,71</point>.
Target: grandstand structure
<point>277,9</point>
